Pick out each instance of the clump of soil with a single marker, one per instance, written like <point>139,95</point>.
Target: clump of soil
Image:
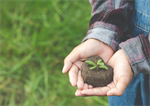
<point>97,77</point>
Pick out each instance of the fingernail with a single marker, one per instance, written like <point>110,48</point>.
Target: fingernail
<point>82,92</point>
<point>63,69</point>
<point>76,93</point>
<point>73,84</point>
<point>90,86</point>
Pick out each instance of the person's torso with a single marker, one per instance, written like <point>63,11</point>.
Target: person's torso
<point>140,19</point>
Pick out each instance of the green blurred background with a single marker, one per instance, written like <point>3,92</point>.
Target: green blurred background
<point>35,37</point>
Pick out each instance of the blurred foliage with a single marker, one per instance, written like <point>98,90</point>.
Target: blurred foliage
<point>35,37</point>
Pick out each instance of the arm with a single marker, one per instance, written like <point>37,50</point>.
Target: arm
<point>108,22</point>
<point>108,29</point>
<point>108,25</point>
<point>138,52</point>
<point>135,54</point>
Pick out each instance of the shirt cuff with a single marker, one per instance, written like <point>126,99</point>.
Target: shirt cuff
<point>107,33</point>
<point>138,52</point>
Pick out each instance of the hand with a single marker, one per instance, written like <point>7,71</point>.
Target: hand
<point>122,77</point>
<point>75,59</point>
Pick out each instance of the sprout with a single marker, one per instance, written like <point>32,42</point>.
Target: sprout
<point>98,64</point>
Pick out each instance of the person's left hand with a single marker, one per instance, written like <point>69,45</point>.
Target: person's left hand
<point>122,77</point>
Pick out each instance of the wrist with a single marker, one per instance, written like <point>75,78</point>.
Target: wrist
<point>105,51</point>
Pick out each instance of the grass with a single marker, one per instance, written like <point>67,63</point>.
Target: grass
<point>35,37</point>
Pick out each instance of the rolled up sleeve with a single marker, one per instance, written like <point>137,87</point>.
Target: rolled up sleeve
<point>108,21</point>
<point>138,52</point>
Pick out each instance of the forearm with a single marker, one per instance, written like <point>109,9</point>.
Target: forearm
<point>108,22</point>
<point>138,52</point>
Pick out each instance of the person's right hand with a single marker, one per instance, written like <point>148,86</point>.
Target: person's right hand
<point>75,59</point>
<point>122,76</point>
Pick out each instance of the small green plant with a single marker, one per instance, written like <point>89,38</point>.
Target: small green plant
<point>98,64</point>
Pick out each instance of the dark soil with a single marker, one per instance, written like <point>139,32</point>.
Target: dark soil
<point>97,77</point>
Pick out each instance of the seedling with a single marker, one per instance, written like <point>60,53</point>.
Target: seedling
<point>98,64</point>
<point>95,73</point>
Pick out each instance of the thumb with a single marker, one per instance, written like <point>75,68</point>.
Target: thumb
<point>112,60</point>
<point>70,59</point>
<point>120,87</point>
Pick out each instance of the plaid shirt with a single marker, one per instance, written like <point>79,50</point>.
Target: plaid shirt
<point>109,25</point>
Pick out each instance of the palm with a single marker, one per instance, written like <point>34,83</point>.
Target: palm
<point>121,79</point>
<point>75,59</point>
<point>117,85</point>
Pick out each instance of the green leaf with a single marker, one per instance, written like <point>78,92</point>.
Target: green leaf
<point>92,67</point>
<point>90,62</point>
<point>99,61</point>
<point>101,64</point>
<point>104,67</point>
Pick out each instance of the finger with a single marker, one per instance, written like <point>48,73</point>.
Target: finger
<point>70,59</point>
<point>73,73</point>
<point>120,87</point>
<point>90,87</point>
<point>78,93</point>
<point>85,86</point>
<point>80,82</point>
<point>99,91</point>
<point>79,63</point>
<point>111,85</point>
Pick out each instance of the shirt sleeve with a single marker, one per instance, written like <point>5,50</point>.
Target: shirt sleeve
<point>138,52</point>
<point>108,21</point>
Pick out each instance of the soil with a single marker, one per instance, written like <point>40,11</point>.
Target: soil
<point>97,77</point>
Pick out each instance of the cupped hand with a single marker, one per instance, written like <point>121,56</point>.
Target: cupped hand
<point>122,77</point>
<point>74,60</point>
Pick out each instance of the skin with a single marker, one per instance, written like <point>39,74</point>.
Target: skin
<point>119,61</point>
<point>122,77</point>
